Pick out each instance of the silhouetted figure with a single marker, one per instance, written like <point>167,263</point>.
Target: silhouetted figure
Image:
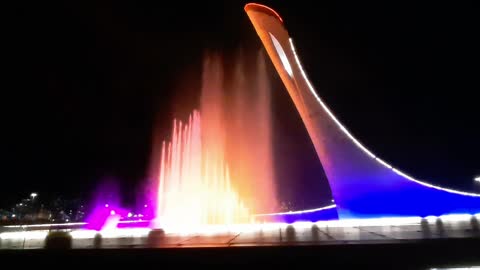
<point>156,238</point>
<point>97,241</point>
<point>440,227</point>
<point>290,233</point>
<point>475,225</point>
<point>426,232</point>
<point>315,233</point>
<point>58,240</point>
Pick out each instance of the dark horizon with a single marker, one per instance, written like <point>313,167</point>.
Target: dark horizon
<point>91,80</point>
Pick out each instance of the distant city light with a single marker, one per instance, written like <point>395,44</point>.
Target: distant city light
<point>112,212</point>
<point>33,195</point>
<point>130,215</point>
<point>13,215</point>
<point>145,206</point>
<point>21,204</point>
<point>106,205</point>
<point>476,179</point>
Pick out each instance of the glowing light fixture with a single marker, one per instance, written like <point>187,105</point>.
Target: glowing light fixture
<point>283,56</point>
<point>297,212</point>
<point>46,225</point>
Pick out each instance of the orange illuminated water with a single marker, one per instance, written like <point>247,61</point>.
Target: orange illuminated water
<point>216,167</point>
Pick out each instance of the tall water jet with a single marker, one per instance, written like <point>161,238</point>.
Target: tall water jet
<point>217,167</point>
<point>250,134</point>
<point>194,186</point>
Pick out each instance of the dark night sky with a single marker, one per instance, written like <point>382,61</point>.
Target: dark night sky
<point>86,81</point>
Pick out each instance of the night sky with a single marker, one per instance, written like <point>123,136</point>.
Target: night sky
<point>87,82</point>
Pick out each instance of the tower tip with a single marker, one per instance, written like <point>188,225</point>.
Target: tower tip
<point>262,8</point>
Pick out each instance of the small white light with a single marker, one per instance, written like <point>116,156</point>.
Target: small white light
<point>130,215</point>
<point>13,215</point>
<point>476,179</point>
<point>145,206</point>
<point>33,195</point>
<point>112,212</point>
<point>106,205</point>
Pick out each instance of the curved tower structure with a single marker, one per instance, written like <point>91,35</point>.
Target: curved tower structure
<point>363,185</point>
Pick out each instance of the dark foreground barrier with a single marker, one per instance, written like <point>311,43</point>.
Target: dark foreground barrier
<point>424,254</point>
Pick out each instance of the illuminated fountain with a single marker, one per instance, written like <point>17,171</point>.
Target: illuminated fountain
<point>217,168</point>
<point>194,183</point>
